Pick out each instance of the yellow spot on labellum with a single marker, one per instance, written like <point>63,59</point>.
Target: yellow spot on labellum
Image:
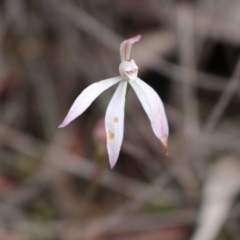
<point>111,135</point>
<point>115,120</point>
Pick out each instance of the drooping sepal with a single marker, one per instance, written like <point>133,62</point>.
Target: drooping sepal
<point>88,95</point>
<point>114,123</point>
<point>154,108</point>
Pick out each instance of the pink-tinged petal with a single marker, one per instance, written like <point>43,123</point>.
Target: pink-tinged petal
<point>126,46</point>
<point>153,106</point>
<point>114,123</point>
<point>87,96</point>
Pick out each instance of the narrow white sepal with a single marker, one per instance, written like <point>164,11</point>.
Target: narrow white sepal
<point>114,122</point>
<point>153,107</point>
<point>87,96</point>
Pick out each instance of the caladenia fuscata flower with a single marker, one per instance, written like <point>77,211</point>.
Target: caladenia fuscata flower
<point>114,119</point>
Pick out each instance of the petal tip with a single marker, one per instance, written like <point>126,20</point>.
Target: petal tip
<point>137,37</point>
<point>113,161</point>
<point>62,125</point>
<point>112,164</point>
<point>165,147</point>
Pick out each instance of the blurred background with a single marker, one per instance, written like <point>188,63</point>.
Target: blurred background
<point>56,184</point>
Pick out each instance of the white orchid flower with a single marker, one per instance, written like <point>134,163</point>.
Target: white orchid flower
<point>114,119</point>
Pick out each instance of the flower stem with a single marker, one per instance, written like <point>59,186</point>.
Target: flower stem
<point>100,159</point>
